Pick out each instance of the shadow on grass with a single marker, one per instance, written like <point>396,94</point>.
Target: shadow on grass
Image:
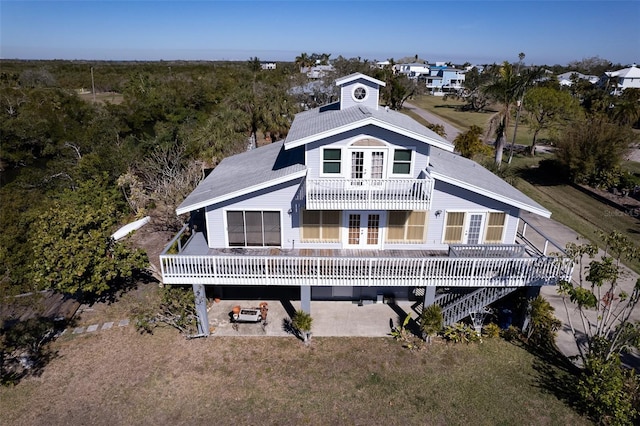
<point>557,375</point>
<point>25,346</point>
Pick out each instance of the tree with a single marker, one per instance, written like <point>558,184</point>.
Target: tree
<point>606,390</point>
<point>72,245</point>
<point>176,309</point>
<point>626,107</point>
<point>469,143</point>
<point>303,61</point>
<point>604,307</point>
<point>505,89</point>
<point>592,148</point>
<point>398,88</point>
<point>254,64</point>
<point>546,107</point>
<point>476,99</point>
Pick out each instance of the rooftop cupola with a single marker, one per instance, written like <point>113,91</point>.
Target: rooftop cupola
<point>359,90</point>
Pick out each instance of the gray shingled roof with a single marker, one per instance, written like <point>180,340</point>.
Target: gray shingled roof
<point>324,119</point>
<point>243,171</point>
<point>470,175</point>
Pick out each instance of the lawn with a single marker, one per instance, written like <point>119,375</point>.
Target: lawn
<point>120,377</point>
<point>448,110</point>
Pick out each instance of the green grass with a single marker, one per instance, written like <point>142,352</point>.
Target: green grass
<point>448,110</point>
<point>120,377</point>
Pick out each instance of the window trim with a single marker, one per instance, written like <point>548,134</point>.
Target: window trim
<point>410,162</point>
<point>339,162</point>
<point>321,225</point>
<point>406,227</point>
<point>366,92</point>
<point>465,225</point>
<point>243,211</point>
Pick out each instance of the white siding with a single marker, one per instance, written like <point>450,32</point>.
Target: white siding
<point>313,155</point>
<point>280,198</point>
<point>447,197</point>
<point>346,94</point>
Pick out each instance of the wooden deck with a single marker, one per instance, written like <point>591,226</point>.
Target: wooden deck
<point>334,253</point>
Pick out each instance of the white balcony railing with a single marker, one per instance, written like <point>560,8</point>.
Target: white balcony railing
<point>361,194</point>
<point>363,271</point>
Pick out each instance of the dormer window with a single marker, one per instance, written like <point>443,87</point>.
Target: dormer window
<point>359,93</point>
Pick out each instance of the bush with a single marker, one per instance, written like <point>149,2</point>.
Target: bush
<point>608,392</point>
<point>431,321</point>
<point>511,333</point>
<point>302,321</point>
<point>461,333</point>
<point>544,325</point>
<point>491,331</point>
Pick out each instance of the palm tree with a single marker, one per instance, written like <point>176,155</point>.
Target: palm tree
<point>505,89</point>
<point>303,61</point>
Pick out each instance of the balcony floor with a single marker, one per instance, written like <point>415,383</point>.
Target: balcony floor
<point>198,247</point>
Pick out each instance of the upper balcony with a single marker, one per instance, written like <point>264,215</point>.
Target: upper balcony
<point>363,194</point>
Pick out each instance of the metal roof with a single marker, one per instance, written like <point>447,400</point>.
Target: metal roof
<point>330,120</point>
<point>459,171</point>
<point>239,174</point>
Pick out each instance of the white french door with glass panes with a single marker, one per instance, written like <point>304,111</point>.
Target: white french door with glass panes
<point>367,166</point>
<point>475,228</point>
<point>363,229</point>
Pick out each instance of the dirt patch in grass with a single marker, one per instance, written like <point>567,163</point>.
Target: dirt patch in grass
<point>120,377</point>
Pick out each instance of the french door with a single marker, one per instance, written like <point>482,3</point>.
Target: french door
<point>366,167</point>
<point>363,230</point>
<point>474,228</point>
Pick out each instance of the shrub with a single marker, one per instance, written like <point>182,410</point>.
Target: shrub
<point>607,392</point>
<point>544,325</point>
<point>302,321</point>
<point>491,331</point>
<point>460,333</point>
<point>511,333</point>
<point>431,321</point>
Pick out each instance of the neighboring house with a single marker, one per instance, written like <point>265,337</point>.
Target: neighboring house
<point>442,79</point>
<point>622,79</point>
<point>268,65</point>
<point>567,78</point>
<point>359,202</point>
<point>317,71</point>
<point>414,70</point>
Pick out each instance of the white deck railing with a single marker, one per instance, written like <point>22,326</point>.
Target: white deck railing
<point>362,194</point>
<point>363,271</point>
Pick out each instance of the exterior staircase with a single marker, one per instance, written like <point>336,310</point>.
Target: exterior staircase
<point>456,307</point>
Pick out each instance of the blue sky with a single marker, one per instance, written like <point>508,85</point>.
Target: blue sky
<point>548,32</point>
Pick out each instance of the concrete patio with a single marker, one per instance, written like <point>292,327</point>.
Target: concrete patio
<point>329,318</point>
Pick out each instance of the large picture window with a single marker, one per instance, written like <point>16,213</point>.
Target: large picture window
<point>454,227</point>
<point>495,227</point>
<point>402,162</point>
<point>331,159</point>
<point>321,226</point>
<point>406,226</point>
<point>253,228</point>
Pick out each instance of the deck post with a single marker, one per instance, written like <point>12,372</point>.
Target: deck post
<point>531,293</point>
<point>201,309</point>
<point>305,298</point>
<point>429,296</point>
